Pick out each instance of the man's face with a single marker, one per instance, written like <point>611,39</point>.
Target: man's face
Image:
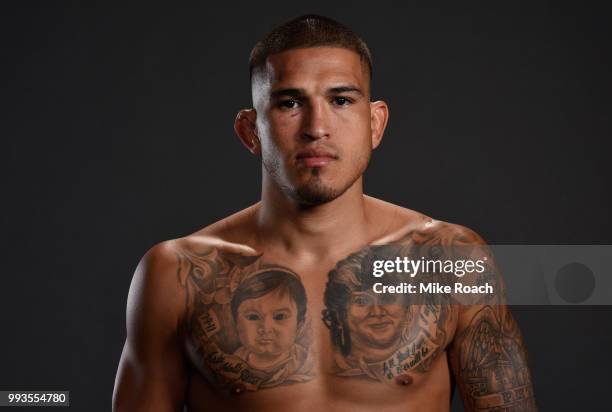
<point>376,320</point>
<point>313,121</point>
<point>267,326</point>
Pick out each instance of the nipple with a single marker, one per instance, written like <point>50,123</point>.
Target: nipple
<point>403,379</point>
<point>237,389</point>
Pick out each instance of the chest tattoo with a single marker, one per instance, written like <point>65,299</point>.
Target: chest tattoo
<point>380,337</point>
<point>247,320</point>
<point>249,327</point>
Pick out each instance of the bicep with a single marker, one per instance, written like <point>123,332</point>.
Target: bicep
<point>152,373</point>
<point>489,360</point>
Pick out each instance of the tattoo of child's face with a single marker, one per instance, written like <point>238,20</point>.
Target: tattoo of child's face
<point>267,327</point>
<point>246,320</point>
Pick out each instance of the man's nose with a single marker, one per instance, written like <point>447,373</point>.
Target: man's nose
<point>316,121</point>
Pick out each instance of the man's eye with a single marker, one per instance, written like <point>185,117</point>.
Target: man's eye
<point>252,316</point>
<point>342,101</point>
<point>289,104</point>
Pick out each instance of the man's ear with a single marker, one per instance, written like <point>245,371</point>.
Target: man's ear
<point>245,127</point>
<point>379,112</point>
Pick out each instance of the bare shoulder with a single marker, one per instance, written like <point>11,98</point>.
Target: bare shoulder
<point>159,272</point>
<point>234,234</point>
<point>155,268</point>
<point>451,233</point>
<point>412,225</point>
<point>151,371</point>
<point>153,290</point>
<point>199,243</point>
<point>158,292</point>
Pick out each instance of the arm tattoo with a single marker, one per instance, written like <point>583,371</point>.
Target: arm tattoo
<point>245,321</point>
<point>491,363</point>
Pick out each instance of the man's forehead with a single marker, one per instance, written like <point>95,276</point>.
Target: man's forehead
<point>312,66</point>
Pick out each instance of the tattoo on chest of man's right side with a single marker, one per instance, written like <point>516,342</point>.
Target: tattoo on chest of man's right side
<point>247,320</point>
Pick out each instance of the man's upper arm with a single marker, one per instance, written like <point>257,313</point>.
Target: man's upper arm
<point>488,355</point>
<point>152,373</point>
<point>489,360</point>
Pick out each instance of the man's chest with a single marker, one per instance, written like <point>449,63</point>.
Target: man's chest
<point>254,323</point>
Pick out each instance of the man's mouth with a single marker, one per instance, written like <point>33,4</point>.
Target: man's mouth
<point>315,157</point>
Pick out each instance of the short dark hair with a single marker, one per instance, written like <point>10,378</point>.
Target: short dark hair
<point>310,30</point>
<point>267,281</point>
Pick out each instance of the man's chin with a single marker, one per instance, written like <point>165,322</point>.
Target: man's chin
<point>314,196</point>
<point>315,192</point>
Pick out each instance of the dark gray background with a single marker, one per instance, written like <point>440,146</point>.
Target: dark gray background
<point>117,134</point>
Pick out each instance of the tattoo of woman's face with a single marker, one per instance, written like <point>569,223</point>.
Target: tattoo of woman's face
<point>377,335</point>
<point>375,320</point>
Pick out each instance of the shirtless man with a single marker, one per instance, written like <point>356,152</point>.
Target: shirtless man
<point>269,309</point>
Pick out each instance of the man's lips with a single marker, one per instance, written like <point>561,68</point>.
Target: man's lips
<point>315,158</point>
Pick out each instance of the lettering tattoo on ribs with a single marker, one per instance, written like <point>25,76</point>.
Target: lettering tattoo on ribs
<point>246,320</point>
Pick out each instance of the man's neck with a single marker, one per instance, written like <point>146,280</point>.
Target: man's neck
<point>314,231</point>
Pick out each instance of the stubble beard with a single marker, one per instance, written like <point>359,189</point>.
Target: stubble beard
<point>314,192</point>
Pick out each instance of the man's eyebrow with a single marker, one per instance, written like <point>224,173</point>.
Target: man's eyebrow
<point>296,92</point>
<point>287,92</point>
<point>345,89</point>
